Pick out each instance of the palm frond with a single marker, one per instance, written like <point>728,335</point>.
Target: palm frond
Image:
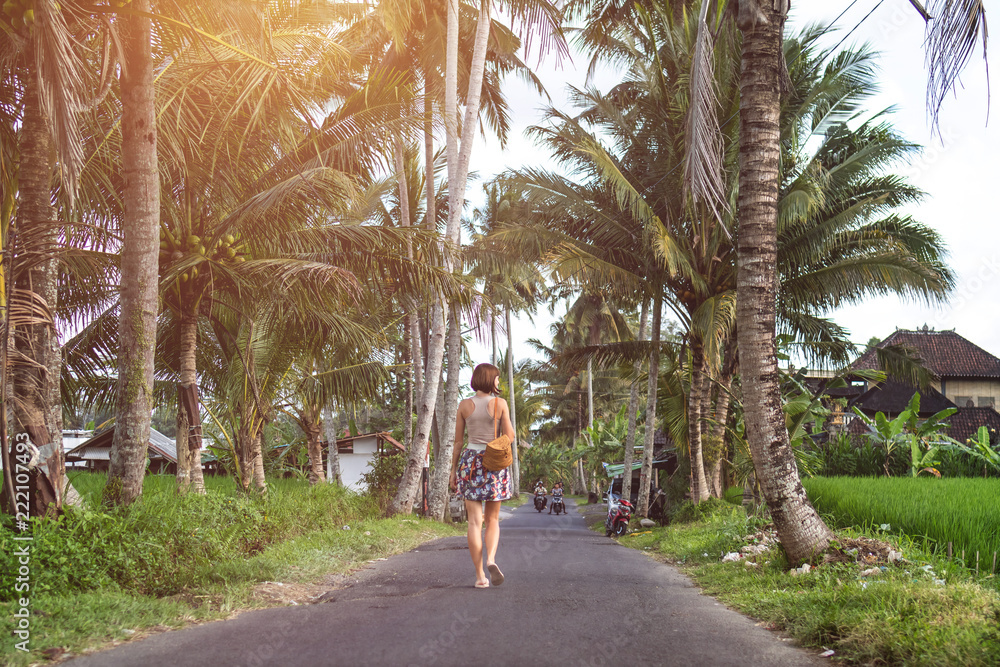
<point>953,32</point>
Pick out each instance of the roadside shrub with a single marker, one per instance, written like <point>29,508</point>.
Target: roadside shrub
<point>166,542</point>
<point>383,478</point>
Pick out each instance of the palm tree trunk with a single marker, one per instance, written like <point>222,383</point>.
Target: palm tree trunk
<point>633,406</point>
<point>406,494</point>
<point>459,155</point>
<point>408,379</point>
<point>590,394</point>
<point>55,464</point>
<point>515,466</point>
<point>448,409</point>
<point>139,262</point>
<point>430,206</point>
<point>183,474</point>
<point>458,169</point>
<point>406,221</point>
<point>332,455</point>
<point>699,487</point>
<point>257,456</point>
<point>705,416</point>
<point>800,529</point>
<point>719,431</point>
<point>241,451</point>
<point>31,381</point>
<point>314,446</point>
<point>438,427</point>
<point>493,337</point>
<point>642,506</point>
<point>189,472</point>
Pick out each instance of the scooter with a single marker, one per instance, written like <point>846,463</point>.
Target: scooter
<point>540,501</point>
<point>618,517</point>
<point>557,505</point>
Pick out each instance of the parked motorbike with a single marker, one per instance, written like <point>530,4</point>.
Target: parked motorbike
<point>557,505</point>
<point>618,517</point>
<point>540,501</point>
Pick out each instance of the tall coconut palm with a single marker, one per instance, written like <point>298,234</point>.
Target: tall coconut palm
<point>509,284</point>
<point>46,87</point>
<point>139,289</point>
<point>538,15</point>
<point>704,294</point>
<point>233,193</point>
<point>802,532</point>
<point>763,73</point>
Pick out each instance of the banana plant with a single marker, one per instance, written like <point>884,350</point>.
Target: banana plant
<point>980,447</point>
<point>925,438</point>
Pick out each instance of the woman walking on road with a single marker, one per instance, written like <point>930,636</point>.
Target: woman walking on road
<point>480,415</point>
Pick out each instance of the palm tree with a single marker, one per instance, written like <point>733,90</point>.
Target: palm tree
<point>763,73</point>
<point>535,15</point>
<point>233,194</point>
<point>802,532</point>
<point>139,271</point>
<point>509,284</point>
<point>46,84</point>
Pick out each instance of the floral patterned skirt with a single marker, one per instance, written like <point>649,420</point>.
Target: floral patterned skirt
<point>477,483</point>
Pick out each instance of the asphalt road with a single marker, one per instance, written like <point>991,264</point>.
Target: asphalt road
<point>571,597</point>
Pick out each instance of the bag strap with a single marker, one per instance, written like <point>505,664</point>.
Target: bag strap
<point>496,418</point>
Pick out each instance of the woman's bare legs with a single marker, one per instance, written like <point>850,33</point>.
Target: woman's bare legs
<point>475,512</point>
<point>492,530</point>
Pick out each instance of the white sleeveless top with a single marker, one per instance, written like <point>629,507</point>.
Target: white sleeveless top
<point>479,425</point>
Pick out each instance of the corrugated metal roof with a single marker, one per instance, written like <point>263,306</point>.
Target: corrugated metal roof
<point>163,444</point>
<point>99,446</point>
<point>615,469</point>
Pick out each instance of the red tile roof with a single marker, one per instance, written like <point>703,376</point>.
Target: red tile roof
<point>945,353</point>
<point>966,422</point>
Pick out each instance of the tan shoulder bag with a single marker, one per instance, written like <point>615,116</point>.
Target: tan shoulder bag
<point>498,454</point>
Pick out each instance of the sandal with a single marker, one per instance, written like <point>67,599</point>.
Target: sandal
<point>482,584</point>
<point>496,576</point>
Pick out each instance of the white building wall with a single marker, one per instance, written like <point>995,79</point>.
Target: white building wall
<point>352,466</point>
<point>365,445</point>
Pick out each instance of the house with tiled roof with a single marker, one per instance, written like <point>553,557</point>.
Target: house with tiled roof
<point>967,377</point>
<point>965,372</point>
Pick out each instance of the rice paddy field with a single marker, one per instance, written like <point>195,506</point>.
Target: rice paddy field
<point>931,511</point>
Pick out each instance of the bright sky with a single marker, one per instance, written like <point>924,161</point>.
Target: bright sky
<point>956,171</point>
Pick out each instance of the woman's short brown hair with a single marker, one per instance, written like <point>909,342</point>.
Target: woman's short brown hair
<point>484,378</point>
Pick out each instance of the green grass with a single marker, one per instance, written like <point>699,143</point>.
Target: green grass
<point>963,511</point>
<point>169,560</point>
<point>521,499</point>
<point>902,616</point>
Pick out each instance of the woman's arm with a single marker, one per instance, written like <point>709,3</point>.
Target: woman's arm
<point>459,437</point>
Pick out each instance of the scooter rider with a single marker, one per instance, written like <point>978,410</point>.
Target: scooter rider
<point>557,494</point>
<point>540,492</point>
